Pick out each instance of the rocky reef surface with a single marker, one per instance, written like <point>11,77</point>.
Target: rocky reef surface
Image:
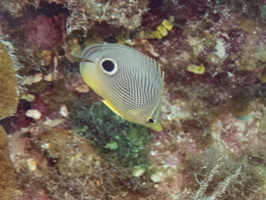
<point>58,141</point>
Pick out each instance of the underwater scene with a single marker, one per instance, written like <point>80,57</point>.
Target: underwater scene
<point>133,99</point>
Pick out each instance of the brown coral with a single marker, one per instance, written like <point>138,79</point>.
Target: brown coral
<point>8,85</point>
<point>7,178</point>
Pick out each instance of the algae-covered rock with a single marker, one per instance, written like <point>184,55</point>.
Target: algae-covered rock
<point>13,7</point>
<point>7,178</point>
<point>8,85</point>
<point>125,14</point>
<point>75,155</point>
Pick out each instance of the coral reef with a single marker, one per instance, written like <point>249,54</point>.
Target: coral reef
<point>126,14</point>
<point>66,144</point>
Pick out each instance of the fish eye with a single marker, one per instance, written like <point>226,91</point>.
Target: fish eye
<point>151,121</point>
<point>109,66</point>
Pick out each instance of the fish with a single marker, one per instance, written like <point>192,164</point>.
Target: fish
<point>130,83</point>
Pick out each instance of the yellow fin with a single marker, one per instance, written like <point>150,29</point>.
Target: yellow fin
<point>157,127</point>
<point>109,105</point>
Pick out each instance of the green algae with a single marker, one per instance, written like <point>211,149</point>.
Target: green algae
<point>116,139</point>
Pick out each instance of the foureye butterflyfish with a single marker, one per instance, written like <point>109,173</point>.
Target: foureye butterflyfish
<point>130,83</point>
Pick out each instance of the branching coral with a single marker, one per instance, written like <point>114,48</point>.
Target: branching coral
<point>224,176</point>
<point>221,188</point>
